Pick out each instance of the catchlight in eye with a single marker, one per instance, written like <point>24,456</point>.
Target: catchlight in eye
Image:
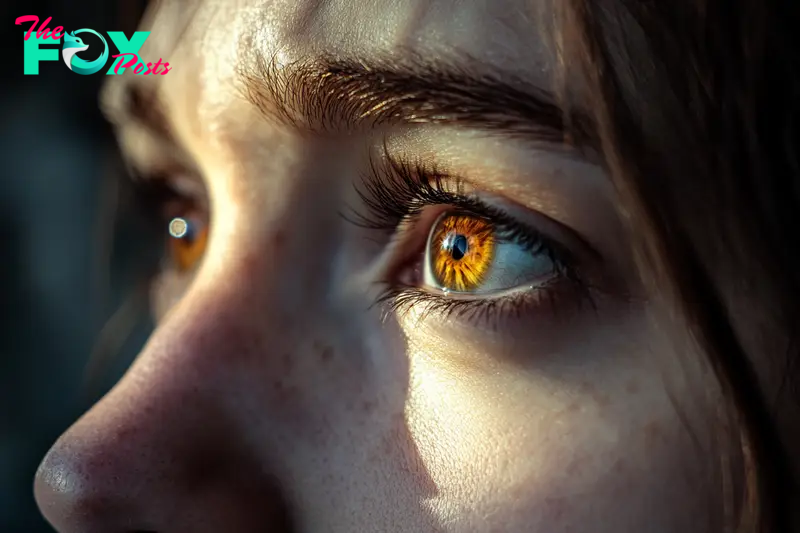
<point>187,243</point>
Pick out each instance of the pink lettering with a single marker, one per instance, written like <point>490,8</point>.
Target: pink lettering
<point>43,32</point>
<point>166,68</point>
<point>138,68</point>
<point>28,18</point>
<point>43,29</point>
<point>156,66</point>
<point>130,63</point>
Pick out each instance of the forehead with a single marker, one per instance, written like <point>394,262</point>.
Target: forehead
<point>207,42</point>
<point>497,30</point>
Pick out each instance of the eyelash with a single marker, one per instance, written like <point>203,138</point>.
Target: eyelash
<point>396,191</point>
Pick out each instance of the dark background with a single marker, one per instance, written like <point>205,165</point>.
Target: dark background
<point>60,281</point>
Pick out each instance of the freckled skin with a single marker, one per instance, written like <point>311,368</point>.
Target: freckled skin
<point>272,397</point>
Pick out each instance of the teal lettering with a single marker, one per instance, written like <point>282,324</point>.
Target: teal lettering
<point>126,46</point>
<point>32,53</point>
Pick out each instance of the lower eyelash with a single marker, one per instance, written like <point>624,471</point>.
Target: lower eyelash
<point>401,300</point>
<point>551,295</point>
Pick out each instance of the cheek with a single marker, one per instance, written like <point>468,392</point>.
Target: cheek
<point>550,455</point>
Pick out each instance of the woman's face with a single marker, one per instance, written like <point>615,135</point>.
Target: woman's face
<point>415,311</point>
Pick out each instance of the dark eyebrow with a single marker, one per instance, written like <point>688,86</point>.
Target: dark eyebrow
<point>331,94</point>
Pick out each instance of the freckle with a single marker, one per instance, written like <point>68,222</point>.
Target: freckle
<point>284,393</point>
<point>326,354</point>
<point>601,399</point>
<point>125,432</point>
<point>556,508</point>
<point>652,434</point>
<point>573,468</point>
<point>278,240</point>
<point>368,406</point>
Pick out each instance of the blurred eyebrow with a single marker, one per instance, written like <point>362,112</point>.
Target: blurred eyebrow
<point>333,94</point>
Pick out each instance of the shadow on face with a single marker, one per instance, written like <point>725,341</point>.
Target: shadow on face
<point>401,302</point>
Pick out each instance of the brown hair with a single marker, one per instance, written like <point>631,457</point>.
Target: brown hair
<point>696,111</point>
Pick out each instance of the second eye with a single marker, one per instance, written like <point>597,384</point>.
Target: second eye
<point>187,243</point>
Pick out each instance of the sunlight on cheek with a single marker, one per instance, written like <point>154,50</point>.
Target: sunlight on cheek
<point>508,451</point>
<point>450,426</point>
<point>496,439</point>
<point>468,437</point>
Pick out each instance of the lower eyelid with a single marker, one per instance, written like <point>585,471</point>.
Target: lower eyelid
<point>551,302</point>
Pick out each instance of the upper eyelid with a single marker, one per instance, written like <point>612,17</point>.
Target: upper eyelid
<point>550,229</point>
<point>407,177</point>
<point>465,192</point>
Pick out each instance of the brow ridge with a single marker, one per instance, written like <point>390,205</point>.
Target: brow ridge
<point>330,94</point>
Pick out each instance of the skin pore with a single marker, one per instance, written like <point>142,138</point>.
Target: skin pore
<point>276,394</point>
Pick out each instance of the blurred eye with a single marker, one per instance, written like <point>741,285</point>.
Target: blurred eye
<point>469,254</point>
<point>187,242</point>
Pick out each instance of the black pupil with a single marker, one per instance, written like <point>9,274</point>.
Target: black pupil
<point>458,247</point>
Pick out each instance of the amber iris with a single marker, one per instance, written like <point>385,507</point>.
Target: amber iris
<point>187,250</point>
<point>461,252</point>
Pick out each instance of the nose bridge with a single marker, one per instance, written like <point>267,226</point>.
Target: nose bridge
<point>207,409</point>
<point>278,223</point>
<point>203,429</point>
<point>227,345</point>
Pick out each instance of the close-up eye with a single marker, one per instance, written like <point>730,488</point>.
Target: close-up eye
<point>469,254</point>
<point>178,215</point>
<point>188,236</point>
<point>460,250</point>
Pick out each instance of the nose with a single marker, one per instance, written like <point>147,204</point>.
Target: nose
<point>165,450</point>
